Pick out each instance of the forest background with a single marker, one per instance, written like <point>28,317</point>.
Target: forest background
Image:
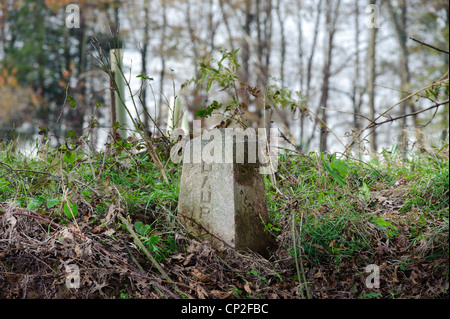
<point>338,72</point>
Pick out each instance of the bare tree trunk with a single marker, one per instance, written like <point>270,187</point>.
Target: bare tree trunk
<point>227,24</point>
<point>264,37</point>
<point>399,20</point>
<point>264,34</point>
<point>371,83</point>
<point>192,32</point>
<point>356,92</point>
<point>309,68</point>
<point>331,18</point>
<point>144,64</point>
<point>300,45</point>
<point>245,76</point>
<point>283,43</point>
<point>212,27</point>
<point>283,114</point>
<point>76,118</point>
<point>163,62</point>
<point>313,50</point>
<point>301,72</point>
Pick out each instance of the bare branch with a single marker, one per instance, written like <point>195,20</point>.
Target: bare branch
<point>392,119</point>
<point>430,46</point>
<point>393,106</point>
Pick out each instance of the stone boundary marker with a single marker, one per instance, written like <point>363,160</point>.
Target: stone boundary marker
<point>224,202</point>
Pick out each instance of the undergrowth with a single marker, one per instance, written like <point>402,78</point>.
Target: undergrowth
<point>331,215</point>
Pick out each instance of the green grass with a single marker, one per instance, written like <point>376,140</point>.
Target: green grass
<point>330,211</point>
<point>347,206</point>
<point>47,182</point>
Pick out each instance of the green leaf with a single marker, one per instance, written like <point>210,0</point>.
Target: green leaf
<point>209,84</point>
<point>340,167</point>
<point>70,210</point>
<point>154,239</point>
<point>256,274</point>
<point>204,112</point>
<point>366,191</point>
<point>34,203</point>
<point>201,113</point>
<point>144,77</point>
<point>209,109</point>
<point>332,172</point>
<point>216,105</point>
<point>71,134</point>
<point>4,185</point>
<point>69,157</point>
<point>172,245</point>
<point>86,192</point>
<point>141,228</point>
<point>383,224</point>
<point>98,104</point>
<point>236,291</point>
<point>93,123</point>
<point>271,227</point>
<point>52,202</point>
<point>71,101</point>
<point>43,130</point>
<point>372,295</point>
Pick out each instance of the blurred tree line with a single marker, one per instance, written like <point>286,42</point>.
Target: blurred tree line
<point>320,53</point>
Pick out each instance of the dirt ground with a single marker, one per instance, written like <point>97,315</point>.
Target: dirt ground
<point>37,256</point>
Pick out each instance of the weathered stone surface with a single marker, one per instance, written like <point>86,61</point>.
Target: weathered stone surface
<point>224,202</point>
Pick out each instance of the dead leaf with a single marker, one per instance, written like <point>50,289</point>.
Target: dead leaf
<point>178,257</point>
<point>320,248</point>
<point>318,274</point>
<point>394,275</point>
<point>247,288</point>
<point>66,234</point>
<point>402,242</point>
<point>201,292</point>
<point>86,217</point>
<point>221,294</point>
<point>188,259</point>
<point>200,276</point>
<point>10,219</point>
<point>112,212</point>
<point>99,229</point>
<point>333,242</point>
<point>192,247</point>
<point>110,232</point>
<point>413,277</point>
<point>380,198</point>
<point>333,282</point>
<point>206,251</point>
<point>78,250</point>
